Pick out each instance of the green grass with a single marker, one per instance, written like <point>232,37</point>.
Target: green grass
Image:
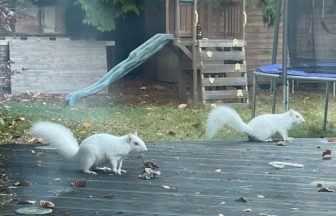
<point>154,120</point>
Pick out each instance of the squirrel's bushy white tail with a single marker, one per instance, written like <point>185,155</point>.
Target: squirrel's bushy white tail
<point>57,136</point>
<point>221,116</point>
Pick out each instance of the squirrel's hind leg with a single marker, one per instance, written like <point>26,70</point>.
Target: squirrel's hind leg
<point>105,169</point>
<point>86,162</point>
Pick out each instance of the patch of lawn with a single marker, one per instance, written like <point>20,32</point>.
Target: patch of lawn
<point>153,121</point>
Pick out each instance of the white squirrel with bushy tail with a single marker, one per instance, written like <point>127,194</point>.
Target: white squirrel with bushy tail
<point>261,128</point>
<point>95,150</point>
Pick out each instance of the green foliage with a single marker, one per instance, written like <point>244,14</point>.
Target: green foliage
<point>103,14</point>
<point>268,8</point>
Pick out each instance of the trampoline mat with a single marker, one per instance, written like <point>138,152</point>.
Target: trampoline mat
<point>277,69</point>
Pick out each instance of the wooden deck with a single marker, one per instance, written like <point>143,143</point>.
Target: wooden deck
<point>209,178</point>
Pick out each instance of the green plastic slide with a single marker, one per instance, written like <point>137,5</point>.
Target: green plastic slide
<point>135,58</point>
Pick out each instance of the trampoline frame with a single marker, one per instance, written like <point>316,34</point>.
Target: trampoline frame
<point>283,75</point>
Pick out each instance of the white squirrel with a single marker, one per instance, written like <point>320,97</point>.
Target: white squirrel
<point>95,150</point>
<point>261,128</point>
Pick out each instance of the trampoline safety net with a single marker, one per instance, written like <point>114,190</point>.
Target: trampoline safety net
<point>312,35</point>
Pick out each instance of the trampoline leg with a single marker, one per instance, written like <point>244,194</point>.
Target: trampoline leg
<point>254,102</point>
<point>334,89</point>
<point>326,101</point>
<point>286,96</point>
<point>274,94</point>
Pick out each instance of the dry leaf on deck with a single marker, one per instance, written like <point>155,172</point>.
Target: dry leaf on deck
<point>108,196</point>
<point>79,183</point>
<point>47,204</point>
<point>331,139</point>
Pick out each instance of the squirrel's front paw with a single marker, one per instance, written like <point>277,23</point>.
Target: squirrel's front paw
<point>120,171</point>
<point>116,172</point>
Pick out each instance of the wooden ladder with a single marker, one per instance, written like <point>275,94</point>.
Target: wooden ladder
<point>223,71</point>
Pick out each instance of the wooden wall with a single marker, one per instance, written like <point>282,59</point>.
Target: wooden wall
<point>164,65</point>
<point>259,41</point>
<point>31,19</point>
<point>56,66</point>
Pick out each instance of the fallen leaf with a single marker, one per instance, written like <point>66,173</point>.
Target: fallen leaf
<point>327,157</point>
<point>325,189</point>
<point>282,143</point>
<point>108,196</point>
<point>86,125</point>
<point>326,152</point>
<point>149,173</point>
<point>39,163</point>
<point>150,164</point>
<point>79,183</point>
<point>171,133</point>
<point>241,199</point>
<point>182,106</point>
<point>47,204</point>
<point>331,139</point>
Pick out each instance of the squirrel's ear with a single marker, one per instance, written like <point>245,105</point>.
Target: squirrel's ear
<point>129,137</point>
<point>291,112</point>
<point>135,133</point>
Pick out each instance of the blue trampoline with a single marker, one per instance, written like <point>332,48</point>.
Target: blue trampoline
<point>276,69</point>
<point>309,48</point>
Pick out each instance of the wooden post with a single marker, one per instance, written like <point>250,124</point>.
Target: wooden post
<point>285,56</point>
<point>195,57</point>
<point>167,16</point>
<point>177,18</point>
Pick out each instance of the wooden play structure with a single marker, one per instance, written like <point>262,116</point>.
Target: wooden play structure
<point>211,35</point>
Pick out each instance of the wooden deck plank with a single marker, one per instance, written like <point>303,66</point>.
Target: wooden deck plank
<point>190,167</point>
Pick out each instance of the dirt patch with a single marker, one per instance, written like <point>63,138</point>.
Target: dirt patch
<point>130,90</point>
<point>137,91</point>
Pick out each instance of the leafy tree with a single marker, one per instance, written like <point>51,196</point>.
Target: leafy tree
<point>103,14</point>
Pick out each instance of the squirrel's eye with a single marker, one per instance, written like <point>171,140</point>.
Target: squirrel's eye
<point>136,143</point>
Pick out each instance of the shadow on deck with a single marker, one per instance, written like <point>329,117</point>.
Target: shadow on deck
<point>208,177</point>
